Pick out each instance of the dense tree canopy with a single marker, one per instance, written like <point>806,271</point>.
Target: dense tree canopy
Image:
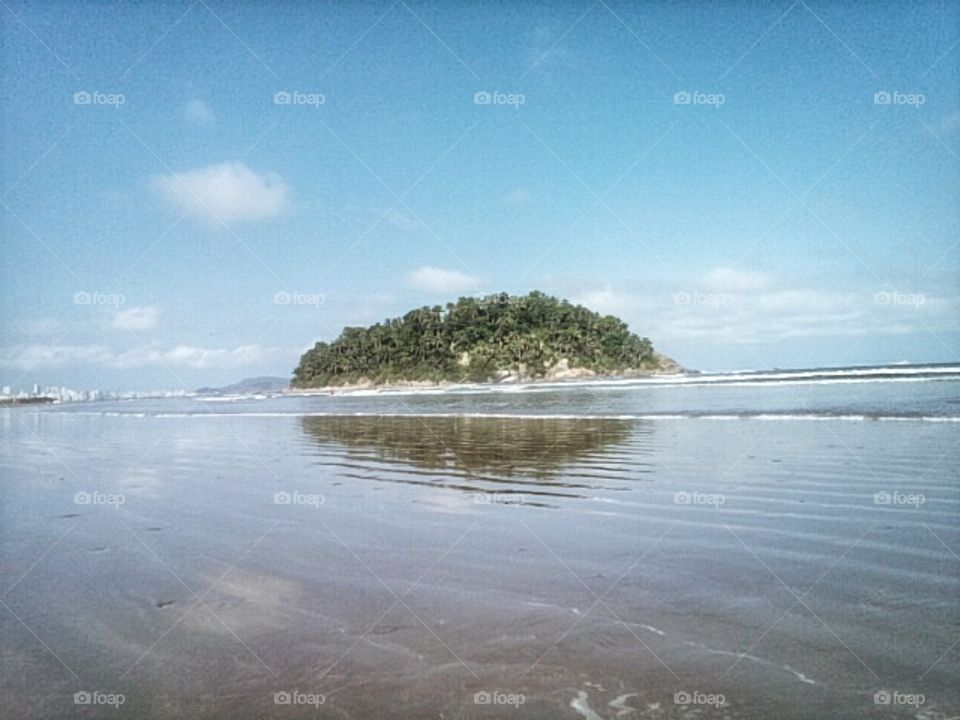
<point>476,339</point>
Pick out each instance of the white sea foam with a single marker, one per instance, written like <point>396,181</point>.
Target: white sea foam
<point>753,658</point>
<point>530,416</point>
<point>582,707</point>
<point>620,703</point>
<point>894,373</point>
<point>655,631</point>
<point>228,398</point>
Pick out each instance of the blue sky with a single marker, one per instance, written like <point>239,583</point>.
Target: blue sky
<point>748,184</point>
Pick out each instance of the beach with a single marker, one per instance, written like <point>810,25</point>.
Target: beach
<point>546,555</point>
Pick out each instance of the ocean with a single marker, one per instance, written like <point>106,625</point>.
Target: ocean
<point>742,545</point>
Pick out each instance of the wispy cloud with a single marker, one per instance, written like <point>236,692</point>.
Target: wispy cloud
<point>727,279</point>
<point>226,192</point>
<point>197,112</point>
<point>727,306</point>
<point>546,48</point>
<point>519,198</point>
<point>136,318</point>
<point>27,357</point>
<point>439,280</point>
<point>400,220</point>
<point>42,326</point>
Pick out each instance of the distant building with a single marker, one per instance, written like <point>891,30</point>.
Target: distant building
<point>65,394</point>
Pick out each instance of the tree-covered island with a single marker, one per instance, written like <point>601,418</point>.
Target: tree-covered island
<point>497,338</point>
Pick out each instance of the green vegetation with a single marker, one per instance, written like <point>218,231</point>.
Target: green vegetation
<point>478,339</point>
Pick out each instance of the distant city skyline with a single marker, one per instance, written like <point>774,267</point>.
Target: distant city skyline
<point>188,201</point>
<point>60,393</point>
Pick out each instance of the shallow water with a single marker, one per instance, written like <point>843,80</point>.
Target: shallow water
<point>395,556</point>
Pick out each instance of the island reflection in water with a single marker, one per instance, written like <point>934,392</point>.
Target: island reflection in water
<point>535,455</point>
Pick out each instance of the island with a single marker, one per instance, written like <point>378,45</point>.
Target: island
<point>492,338</point>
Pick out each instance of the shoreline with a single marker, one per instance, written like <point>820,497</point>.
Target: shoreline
<point>571,376</point>
<point>33,400</point>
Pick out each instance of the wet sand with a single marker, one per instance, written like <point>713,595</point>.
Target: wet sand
<point>591,568</point>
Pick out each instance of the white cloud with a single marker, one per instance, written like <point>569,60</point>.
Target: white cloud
<point>440,280</point>
<point>518,198</point>
<point>546,49</point>
<point>198,112</point>
<point>43,326</point>
<point>136,318</point>
<point>603,300</point>
<point>726,279</point>
<point>725,306</point>
<point>948,125</point>
<point>774,316</point>
<point>401,220</point>
<point>228,192</point>
<point>28,357</point>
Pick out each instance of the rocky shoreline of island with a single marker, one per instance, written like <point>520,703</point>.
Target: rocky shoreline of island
<point>559,373</point>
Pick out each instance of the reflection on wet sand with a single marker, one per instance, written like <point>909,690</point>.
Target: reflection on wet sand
<point>403,596</point>
<point>533,447</point>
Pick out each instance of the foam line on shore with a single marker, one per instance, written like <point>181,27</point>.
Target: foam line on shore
<point>763,416</point>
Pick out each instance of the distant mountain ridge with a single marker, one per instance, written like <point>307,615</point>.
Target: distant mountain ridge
<point>249,386</point>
